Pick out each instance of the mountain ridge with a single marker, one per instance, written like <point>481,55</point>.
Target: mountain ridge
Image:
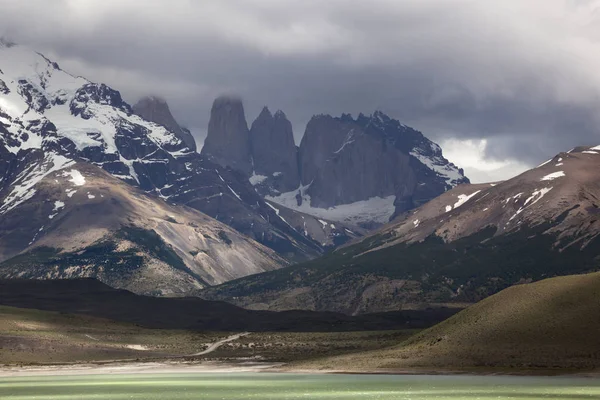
<point>461,247</point>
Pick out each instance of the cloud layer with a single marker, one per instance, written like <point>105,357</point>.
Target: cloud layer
<point>520,76</point>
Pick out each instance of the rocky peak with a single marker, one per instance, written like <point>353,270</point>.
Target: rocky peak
<point>274,152</point>
<point>265,114</point>
<point>280,115</point>
<point>228,139</point>
<point>324,136</point>
<point>345,160</point>
<point>156,109</point>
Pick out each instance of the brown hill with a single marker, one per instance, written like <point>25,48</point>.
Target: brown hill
<point>551,324</point>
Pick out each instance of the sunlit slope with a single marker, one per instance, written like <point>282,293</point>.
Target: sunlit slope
<point>548,324</point>
<point>30,336</point>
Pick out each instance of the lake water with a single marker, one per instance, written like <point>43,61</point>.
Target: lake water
<point>293,386</point>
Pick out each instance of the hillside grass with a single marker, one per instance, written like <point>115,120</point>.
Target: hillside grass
<point>30,336</point>
<point>548,325</point>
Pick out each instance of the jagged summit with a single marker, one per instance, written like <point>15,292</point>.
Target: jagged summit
<point>373,165</point>
<point>156,109</point>
<point>274,153</point>
<point>265,113</point>
<point>227,142</point>
<point>280,114</point>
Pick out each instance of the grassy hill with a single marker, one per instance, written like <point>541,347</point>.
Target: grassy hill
<point>550,324</point>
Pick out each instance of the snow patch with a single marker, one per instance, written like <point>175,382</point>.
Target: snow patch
<point>534,198</point>
<point>552,176</point>
<point>349,140</point>
<point>234,193</point>
<point>463,198</point>
<point>77,178</point>
<point>537,195</point>
<point>256,179</point>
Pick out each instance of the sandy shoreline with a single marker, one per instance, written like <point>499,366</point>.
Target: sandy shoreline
<point>207,367</point>
<point>137,368</point>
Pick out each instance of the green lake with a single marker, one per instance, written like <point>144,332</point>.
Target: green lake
<point>293,386</point>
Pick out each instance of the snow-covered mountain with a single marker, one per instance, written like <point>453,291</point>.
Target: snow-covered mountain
<point>49,118</point>
<point>359,171</point>
<point>460,247</point>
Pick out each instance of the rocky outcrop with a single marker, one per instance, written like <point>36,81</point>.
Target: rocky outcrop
<point>345,160</point>
<point>274,152</point>
<point>373,164</point>
<point>156,109</point>
<point>228,140</point>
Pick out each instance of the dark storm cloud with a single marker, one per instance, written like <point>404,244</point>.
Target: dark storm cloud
<point>522,74</point>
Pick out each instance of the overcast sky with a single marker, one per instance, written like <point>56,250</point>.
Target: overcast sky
<point>502,85</point>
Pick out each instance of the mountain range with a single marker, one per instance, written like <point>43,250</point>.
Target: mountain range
<point>359,171</point>
<point>457,249</point>
<point>57,130</point>
<point>365,215</point>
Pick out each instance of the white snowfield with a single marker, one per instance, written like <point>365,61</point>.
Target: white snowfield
<point>375,209</point>
<point>553,176</point>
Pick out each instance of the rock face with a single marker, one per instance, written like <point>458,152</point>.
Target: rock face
<point>345,161</point>
<point>367,170</point>
<point>156,109</point>
<point>274,153</point>
<point>228,140</point>
<point>361,171</point>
